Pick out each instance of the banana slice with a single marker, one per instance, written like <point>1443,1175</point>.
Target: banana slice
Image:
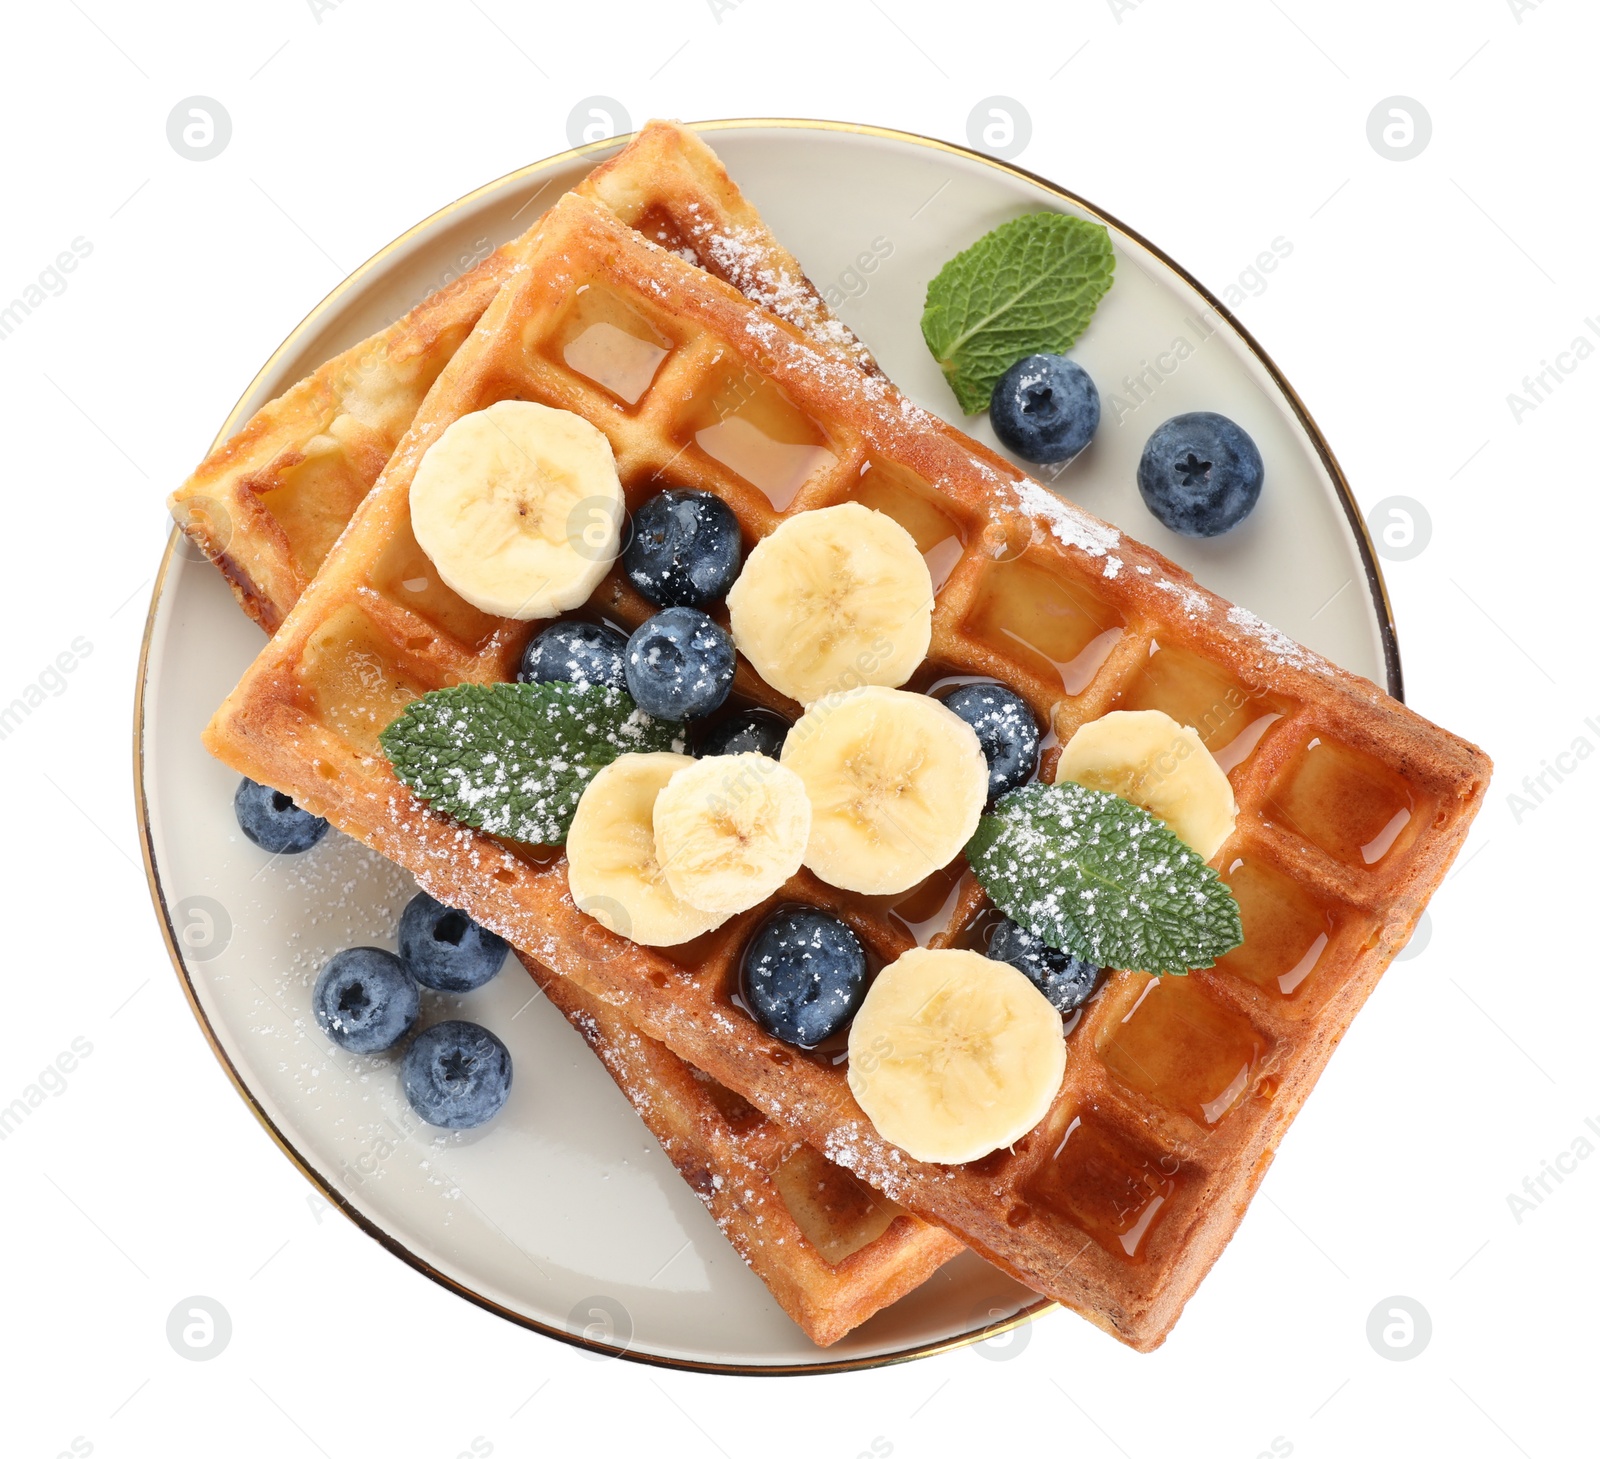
<point>519,508</point>
<point>833,598</point>
<point>730,830</point>
<point>612,869</point>
<point>896,783</point>
<point>1149,758</point>
<point>953,1055</point>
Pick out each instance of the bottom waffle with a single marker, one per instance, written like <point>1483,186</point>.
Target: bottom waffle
<point>830,1249</point>
<point>267,505</point>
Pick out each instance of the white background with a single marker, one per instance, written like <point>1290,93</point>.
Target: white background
<point>1417,296</point>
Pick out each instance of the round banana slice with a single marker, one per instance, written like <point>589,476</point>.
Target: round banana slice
<point>896,783</point>
<point>1149,758</point>
<point>953,1055</point>
<point>730,830</point>
<point>612,869</point>
<point>519,508</point>
<point>833,598</point>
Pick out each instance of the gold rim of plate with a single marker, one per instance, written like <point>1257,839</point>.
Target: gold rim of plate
<point>1376,587</point>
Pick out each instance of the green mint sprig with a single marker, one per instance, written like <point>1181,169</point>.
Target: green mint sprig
<point>1103,879</point>
<point>1029,287</point>
<point>512,759</point>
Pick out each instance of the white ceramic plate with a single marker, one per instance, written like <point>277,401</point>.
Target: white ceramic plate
<point>563,1213</point>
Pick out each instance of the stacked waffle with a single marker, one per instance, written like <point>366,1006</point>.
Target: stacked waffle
<point>267,505</point>
<point>1176,1091</point>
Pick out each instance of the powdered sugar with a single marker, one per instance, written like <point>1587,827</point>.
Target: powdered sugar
<point>1274,640</point>
<point>1195,603</point>
<point>862,1152</point>
<point>1065,521</point>
<point>745,258</point>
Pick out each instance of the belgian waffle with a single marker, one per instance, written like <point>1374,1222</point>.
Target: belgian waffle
<point>1177,1090</point>
<point>268,504</point>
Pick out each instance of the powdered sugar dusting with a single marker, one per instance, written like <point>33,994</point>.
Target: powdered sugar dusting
<point>862,1152</point>
<point>1274,640</point>
<point>745,257</point>
<point>1065,521</point>
<point>1195,603</point>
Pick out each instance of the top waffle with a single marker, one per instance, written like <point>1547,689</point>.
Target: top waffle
<point>268,504</point>
<point>1177,1090</point>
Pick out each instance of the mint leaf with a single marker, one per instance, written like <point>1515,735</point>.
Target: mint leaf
<point>1029,287</point>
<point>1104,879</point>
<point>512,759</point>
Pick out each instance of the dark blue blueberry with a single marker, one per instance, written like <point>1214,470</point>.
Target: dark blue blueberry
<point>575,653</point>
<point>1006,731</point>
<point>1045,408</point>
<point>680,664</point>
<point>685,550</point>
<point>445,949</point>
<point>365,1000</point>
<point>751,730</point>
<point>273,821</point>
<point>1065,980</point>
<point>804,975</point>
<point>1200,474</point>
<point>456,1074</point>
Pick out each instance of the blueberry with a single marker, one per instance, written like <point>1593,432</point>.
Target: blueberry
<point>804,975</point>
<point>685,549</point>
<point>757,731</point>
<point>365,1000</point>
<point>575,653</point>
<point>456,1074</point>
<point>1065,980</point>
<point>1045,408</point>
<point>273,821</point>
<point>680,664</point>
<point>1006,732</point>
<point>446,950</point>
<point>1200,474</point>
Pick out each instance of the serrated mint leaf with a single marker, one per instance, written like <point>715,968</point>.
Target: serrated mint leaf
<point>1029,287</point>
<point>512,759</point>
<point>1104,879</point>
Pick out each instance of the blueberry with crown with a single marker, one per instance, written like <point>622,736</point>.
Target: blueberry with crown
<point>685,551</point>
<point>679,664</point>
